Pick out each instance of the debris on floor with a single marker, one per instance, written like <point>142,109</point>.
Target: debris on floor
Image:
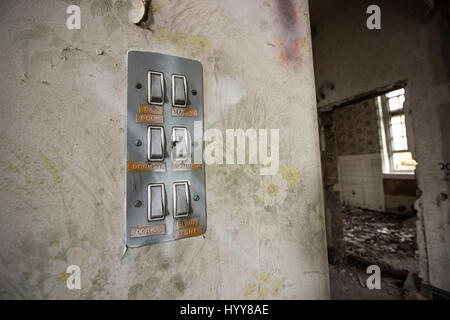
<point>376,238</point>
<point>381,238</point>
<point>349,283</point>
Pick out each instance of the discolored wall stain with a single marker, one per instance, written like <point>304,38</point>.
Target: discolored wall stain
<point>134,291</point>
<point>444,115</point>
<point>290,36</point>
<point>178,283</point>
<point>66,202</point>
<point>121,8</point>
<point>100,281</point>
<point>101,7</point>
<point>9,166</point>
<point>262,286</point>
<point>159,287</point>
<point>182,40</point>
<point>53,167</point>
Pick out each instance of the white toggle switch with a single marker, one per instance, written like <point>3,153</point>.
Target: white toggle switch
<point>179,91</point>
<point>155,88</point>
<point>156,202</point>
<point>181,200</point>
<point>156,142</point>
<point>180,144</point>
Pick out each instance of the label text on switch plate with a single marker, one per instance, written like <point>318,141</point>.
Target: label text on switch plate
<point>186,222</point>
<point>184,112</point>
<point>145,231</point>
<point>180,166</point>
<point>146,166</point>
<point>149,118</point>
<point>188,232</point>
<point>147,108</point>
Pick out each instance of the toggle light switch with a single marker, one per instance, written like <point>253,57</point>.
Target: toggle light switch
<point>165,170</point>
<point>181,200</point>
<point>180,143</point>
<point>179,91</point>
<point>156,142</point>
<point>156,202</point>
<point>155,88</point>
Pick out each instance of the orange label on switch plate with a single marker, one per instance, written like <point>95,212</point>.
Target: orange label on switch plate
<point>147,108</point>
<point>145,231</point>
<point>146,166</point>
<point>186,166</point>
<point>188,232</point>
<point>184,112</point>
<point>186,222</point>
<point>149,118</point>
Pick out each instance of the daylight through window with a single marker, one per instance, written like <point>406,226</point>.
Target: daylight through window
<point>397,157</point>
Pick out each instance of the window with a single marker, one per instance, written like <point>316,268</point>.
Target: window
<point>396,155</point>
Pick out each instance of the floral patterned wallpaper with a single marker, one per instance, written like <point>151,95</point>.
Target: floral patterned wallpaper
<point>356,128</point>
<point>62,200</point>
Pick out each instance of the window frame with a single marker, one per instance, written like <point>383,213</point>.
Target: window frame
<point>386,116</point>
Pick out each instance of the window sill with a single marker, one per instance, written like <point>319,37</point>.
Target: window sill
<point>400,175</point>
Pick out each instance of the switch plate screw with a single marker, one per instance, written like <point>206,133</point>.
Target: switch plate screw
<point>196,197</point>
<point>138,203</point>
<point>138,143</point>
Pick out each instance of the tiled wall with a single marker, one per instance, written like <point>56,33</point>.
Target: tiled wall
<point>361,181</point>
<point>359,160</point>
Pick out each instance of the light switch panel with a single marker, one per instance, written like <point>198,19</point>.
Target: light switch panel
<point>165,182</point>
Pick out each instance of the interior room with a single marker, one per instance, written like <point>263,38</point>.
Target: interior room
<point>382,99</point>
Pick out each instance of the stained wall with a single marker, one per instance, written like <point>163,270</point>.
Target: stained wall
<point>62,153</point>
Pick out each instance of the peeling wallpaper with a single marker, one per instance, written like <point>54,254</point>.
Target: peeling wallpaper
<point>62,154</point>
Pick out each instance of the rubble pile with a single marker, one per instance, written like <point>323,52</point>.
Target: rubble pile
<point>379,237</point>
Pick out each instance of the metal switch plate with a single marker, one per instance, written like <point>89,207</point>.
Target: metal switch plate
<point>165,182</point>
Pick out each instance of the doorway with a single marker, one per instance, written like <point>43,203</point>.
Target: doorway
<point>370,190</point>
